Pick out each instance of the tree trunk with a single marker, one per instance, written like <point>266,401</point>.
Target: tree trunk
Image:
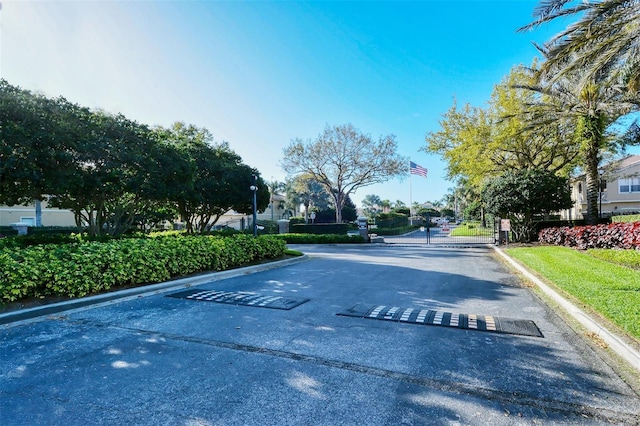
<point>339,200</point>
<point>591,134</point>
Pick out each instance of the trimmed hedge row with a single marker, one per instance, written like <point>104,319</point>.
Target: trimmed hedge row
<point>320,228</point>
<point>615,235</point>
<point>394,231</point>
<point>626,218</point>
<point>319,238</point>
<point>79,269</point>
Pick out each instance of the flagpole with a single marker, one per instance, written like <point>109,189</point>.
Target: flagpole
<point>410,192</point>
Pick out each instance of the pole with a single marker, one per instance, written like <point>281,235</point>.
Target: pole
<point>410,193</point>
<point>254,188</point>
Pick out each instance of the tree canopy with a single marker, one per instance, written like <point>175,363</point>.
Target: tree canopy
<point>524,195</point>
<point>480,143</point>
<point>602,43</point>
<point>342,159</point>
<point>111,171</point>
<point>218,181</point>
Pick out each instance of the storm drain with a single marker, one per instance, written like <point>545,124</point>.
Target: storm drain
<point>445,319</point>
<point>240,298</point>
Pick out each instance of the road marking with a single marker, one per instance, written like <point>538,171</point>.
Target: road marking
<point>445,319</point>
<point>240,298</point>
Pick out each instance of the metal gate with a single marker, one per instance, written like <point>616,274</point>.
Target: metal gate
<point>448,234</point>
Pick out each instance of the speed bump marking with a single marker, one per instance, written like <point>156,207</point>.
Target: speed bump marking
<point>445,319</point>
<point>240,298</point>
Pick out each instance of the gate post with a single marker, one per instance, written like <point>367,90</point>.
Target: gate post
<point>363,227</point>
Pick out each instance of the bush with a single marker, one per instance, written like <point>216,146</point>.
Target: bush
<point>320,238</point>
<point>626,218</point>
<point>615,235</point>
<point>296,220</point>
<point>81,268</point>
<point>394,231</point>
<point>320,228</point>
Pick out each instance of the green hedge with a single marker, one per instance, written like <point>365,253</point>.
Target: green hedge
<point>626,218</point>
<point>6,231</point>
<point>320,228</point>
<point>320,238</point>
<point>393,231</point>
<point>79,269</point>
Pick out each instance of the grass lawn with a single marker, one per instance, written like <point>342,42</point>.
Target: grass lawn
<point>471,229</point>
<point>605,286</point>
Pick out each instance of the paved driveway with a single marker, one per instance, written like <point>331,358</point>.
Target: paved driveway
<point>158,360</point>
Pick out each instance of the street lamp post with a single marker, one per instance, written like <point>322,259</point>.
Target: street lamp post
<point>254,188</point>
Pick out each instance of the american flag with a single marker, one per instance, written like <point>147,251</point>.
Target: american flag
<point>415,169</point>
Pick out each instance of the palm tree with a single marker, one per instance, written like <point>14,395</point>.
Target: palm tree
<point>586,110</point>
<point>275,187</point>
<point>603,42</point>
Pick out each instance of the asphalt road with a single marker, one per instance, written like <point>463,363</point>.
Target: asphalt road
<point>158,360</point>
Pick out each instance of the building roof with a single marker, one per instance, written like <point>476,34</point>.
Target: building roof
<point>616,165</point>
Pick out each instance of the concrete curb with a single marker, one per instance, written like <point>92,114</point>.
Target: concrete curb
<point>616,344</point>
<point>30,313</point>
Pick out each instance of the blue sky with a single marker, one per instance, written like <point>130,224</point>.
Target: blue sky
<point>259,74</point>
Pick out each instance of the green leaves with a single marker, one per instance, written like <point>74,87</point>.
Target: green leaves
<point>205,179</point>
<point>79,269</point>
<point>342,159</point>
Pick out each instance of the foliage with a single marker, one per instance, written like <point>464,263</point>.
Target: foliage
<point>320,238</point>
<point>473,211</point>
<point>401,230</point>
<point>401,210</point>
<point>617,235</point>
<point>296,220</point>
<point>626,218</point>
<point>304,189</point>
<point>480,143</point>
<point>424,212</point>
<point>114,173</point>
<point>342,159</point>
<point>371,205</point>
<point>603,41</point>
<point>79,269</point>
<point>392,220</point>
<point>611,290</point>
<point>218,180</point>
<point>38,142</point>
<point>111,174</point>
<point>349,213</point>
<point>320,228</point>
<point>586,112</point>
<point>523,195</point>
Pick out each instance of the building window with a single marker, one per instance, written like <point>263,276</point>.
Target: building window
<point>629,185</point>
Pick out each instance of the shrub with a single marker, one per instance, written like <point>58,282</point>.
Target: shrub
<point>320,228</point>
<point>320,238</point>
<point>394,231</point>
<point>296,220</point>
<point>614,235</point>
<point>81,268</point>
<point>626,218</point>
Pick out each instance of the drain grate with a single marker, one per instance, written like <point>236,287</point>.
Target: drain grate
<point>240,298</point>
<point>445,319</point>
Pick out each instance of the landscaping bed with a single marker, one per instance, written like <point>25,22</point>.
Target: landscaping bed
<point>77,269</point>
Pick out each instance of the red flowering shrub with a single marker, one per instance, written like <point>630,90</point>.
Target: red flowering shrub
<point>615,235</point>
